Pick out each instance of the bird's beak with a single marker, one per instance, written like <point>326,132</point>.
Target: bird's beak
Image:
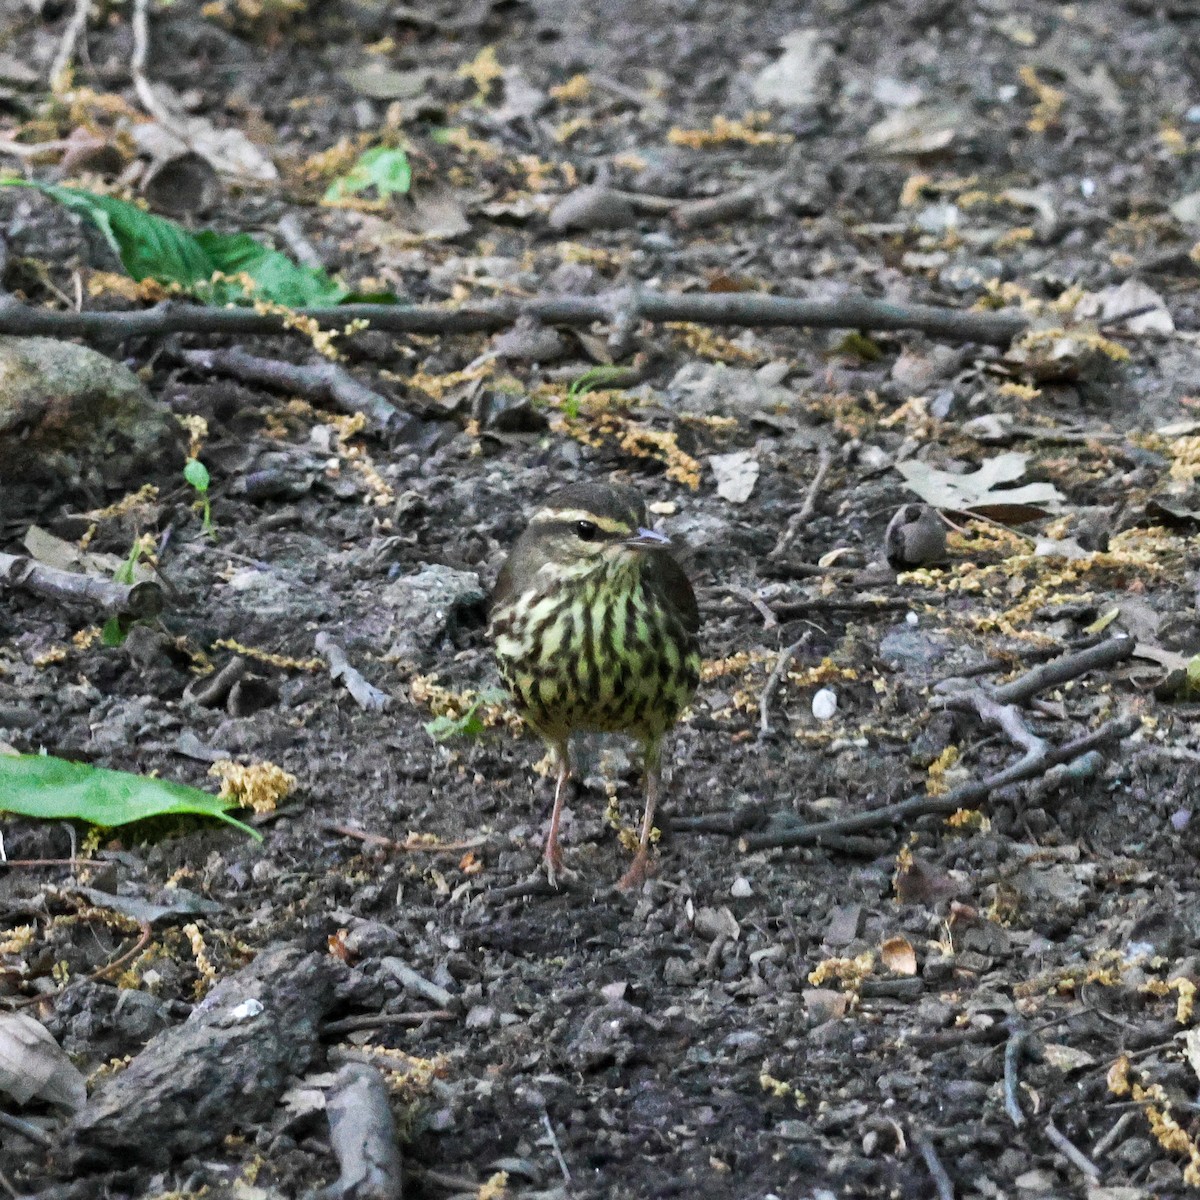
<point>648,539</point>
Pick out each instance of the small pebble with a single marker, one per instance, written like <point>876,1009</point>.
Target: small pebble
<point>824,704</point>
<point>741,888</point>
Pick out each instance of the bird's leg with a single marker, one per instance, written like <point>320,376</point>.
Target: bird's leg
<point>640,868</point>
<point>553,854</point>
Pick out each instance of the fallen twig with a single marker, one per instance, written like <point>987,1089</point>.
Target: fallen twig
<point>967,796</point>
<point>362,1134</point>
<point>555,1147</point>
<point>805,511</point>
<point>755,601</point>
<point>941,1180</point>
<point>143,941</point>
<point>366,695</point>
<point>320,382</point>
<point>68,42</point>
<point>1020,1047</point>
<point>777,673</point>
<point>742,309</point>
<point>1062,670</point>
<point>413,845</point>
<point>381,1020</point>
<point>27,1130</point>
<point>1070,1151</point>
<point>413,981</point>
<point>1108,1140</point>
<point>132,600</point>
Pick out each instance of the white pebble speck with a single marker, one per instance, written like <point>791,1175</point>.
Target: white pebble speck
<point>824,704</point>
<point>740,888</point>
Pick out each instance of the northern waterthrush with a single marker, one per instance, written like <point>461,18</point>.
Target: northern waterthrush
<point>594,625</point>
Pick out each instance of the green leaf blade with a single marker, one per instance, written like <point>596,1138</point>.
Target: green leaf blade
<point>53,789</point>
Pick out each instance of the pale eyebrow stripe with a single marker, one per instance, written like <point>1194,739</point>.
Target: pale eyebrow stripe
<point>556,516</point>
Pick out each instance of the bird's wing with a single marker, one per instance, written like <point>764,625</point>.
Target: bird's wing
<point>667,577</point>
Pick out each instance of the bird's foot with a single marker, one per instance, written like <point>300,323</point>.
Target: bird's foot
<point>556,871</point>
<point>639,871</point>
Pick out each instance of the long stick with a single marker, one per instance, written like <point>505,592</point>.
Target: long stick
<point>738,309</point>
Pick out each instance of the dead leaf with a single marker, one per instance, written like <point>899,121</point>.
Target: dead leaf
<point>33,1065</point>
<point>736,473</point>
<point>794,80</point>
<point>920,130</point>
<point>1067,1058</point>
<point>1110,305</point>
<point>898,956</point>
<point>713,923</point>
<point>973,491</point>
<point>1191,1046</point>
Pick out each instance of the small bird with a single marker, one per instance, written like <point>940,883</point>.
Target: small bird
<point>594,624</point>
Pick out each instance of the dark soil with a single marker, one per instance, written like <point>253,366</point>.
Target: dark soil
<point>685,1040</point>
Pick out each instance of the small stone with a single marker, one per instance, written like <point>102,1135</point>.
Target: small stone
<point>678,972</point>
<point>482,1016</point>
<point>740,889</point>
<point>824,704</point>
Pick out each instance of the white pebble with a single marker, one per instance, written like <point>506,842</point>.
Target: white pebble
<point>824,704</point>
<point>740,888</point>
<point>912,618</point>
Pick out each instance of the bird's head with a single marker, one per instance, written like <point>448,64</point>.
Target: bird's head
<point>588,526</point>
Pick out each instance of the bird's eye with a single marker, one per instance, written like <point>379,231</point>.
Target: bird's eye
<point>587,531</point>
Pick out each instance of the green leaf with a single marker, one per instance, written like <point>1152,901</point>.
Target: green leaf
<point>52,789</point>
<point>152,247</point>
<point>469,724</point>
<point>276,277</point>
<point>196,473</point>
<point>386,170</point>
<point>111,633</point>
<point>149,247</point>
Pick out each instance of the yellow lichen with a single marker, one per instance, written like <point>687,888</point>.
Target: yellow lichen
<point>936,784</point>
<point>1049,101</point>
<point>849,972</point>
<point>265,656</point>
<point>704,343</point>
<point>259,786</point>
<point>207,972</point>
<point>578,87</point>
<point>726,131</point>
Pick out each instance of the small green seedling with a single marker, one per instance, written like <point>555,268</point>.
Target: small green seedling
<point>196,473</point>
<point>589,381</point>
<point>113,633</point>
<point>469,724</point>
<point>384,169</point>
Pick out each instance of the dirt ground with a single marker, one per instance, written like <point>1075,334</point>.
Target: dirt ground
<point>823,1020</point>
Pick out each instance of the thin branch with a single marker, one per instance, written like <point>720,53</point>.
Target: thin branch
<point>777,672</point>
<point>741,309</point>
<point>27,1130</point>
<point>1070,1151</point>
<point>136,600</point>
<point>129,955</point>
<point>366,695</point>
<point>967,796</point>
<point>382,1020</point>
<point>755,601</point>
<point>942,1183</point>
<point>1017,1050</point>
<point>806,509</point>
<point>1062,670</point>
<point>410,846</point>
<point>66,46</point>
<point>320,382</point>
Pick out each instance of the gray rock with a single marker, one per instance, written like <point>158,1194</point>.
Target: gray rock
<point>430,606</point>
<point>72,417</point>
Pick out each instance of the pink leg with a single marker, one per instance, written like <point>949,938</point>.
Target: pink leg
<point>640,869</point>
<point>553,854</point>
